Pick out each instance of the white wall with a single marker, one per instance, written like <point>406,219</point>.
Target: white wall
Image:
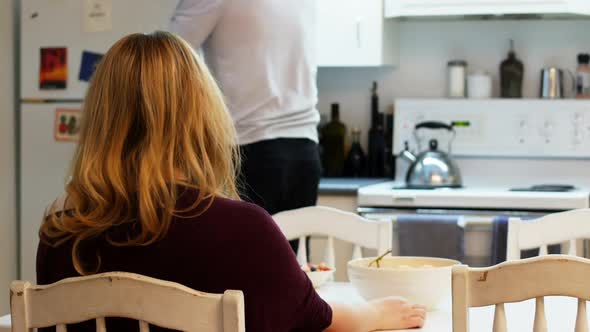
<point>7,146</point>
<point>426,46</point>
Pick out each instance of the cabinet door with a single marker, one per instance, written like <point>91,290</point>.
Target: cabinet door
<point>337,33</point>
<point>369,24</point>
<point>349,33</point>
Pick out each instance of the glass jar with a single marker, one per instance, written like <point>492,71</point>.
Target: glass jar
<point>457,73</point>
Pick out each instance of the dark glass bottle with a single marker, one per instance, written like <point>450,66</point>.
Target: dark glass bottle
<point>511,75</point>
<point>374,105</point>
<point>389,167</point>
<point>377,149</point>
<point>323,121</point>
<point>333,135</point>
<point>376,159</point>
<point>355,164</point>
<point>583,76</point>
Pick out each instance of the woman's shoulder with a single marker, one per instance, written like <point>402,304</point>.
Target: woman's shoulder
<point>238,221</point>
<point>242,211</point>
<point>226,208</point>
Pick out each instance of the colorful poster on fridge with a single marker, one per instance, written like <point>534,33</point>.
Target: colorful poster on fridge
<point>53,73</point>
<point>67,125</point>
<point>88,65</point>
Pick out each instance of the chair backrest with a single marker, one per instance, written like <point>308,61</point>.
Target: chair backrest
<point>554,228</point>
<point>334,223</point>
<point>120,294</point>
<point>517,281</point>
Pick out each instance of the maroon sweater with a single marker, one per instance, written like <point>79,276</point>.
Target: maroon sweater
<point>233,245</point>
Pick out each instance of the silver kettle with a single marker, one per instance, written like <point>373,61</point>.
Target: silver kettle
<point>432,168</point>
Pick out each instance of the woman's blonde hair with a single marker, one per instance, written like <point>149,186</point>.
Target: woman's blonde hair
<point>153,119</point>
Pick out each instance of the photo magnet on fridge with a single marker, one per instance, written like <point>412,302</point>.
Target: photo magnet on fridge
<point>67,125</point>
<point>53,70</point>
<point>88,65</point>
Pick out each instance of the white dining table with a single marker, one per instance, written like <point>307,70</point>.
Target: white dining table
<point>560,312</point>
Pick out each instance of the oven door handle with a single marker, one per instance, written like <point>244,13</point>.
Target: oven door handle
<point>411,200</point>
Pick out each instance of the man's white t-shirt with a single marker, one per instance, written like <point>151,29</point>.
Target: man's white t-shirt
<point>262,53</point>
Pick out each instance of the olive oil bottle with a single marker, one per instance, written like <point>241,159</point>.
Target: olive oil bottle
<point>332,141</point>
<point>511,75</point>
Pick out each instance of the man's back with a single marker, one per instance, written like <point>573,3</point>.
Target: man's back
<point>262,53</point>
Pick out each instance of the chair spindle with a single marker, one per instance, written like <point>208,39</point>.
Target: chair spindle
<point>581,317</point>
<point>329,256</point>
<point>543,250</point>
<point>573,249</point>
<point>61,328</point>
<point>357,252</point>
<point>101,325</point>
<point>302,252</point>
<point>500,319</point>
<point>540,324</point>
<point>144,326</point>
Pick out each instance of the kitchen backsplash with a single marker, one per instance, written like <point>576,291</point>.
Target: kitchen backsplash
<point>425,48</point>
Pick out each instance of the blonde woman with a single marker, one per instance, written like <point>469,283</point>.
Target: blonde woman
<point>153,191</point>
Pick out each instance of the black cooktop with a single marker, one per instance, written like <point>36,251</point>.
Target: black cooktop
<point>557,188</point>
<point>426,188</point>
<point>547,188</point>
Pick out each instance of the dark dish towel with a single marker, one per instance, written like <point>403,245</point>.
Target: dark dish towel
<point>500,241</point>
<point>431,236</point>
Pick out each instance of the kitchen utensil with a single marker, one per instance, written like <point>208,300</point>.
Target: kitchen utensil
<point>479,85</point>
<point>432,168</point>
<point>552,83</point>
<point>421,280</point>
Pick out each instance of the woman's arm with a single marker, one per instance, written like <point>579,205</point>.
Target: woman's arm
<point>385,314</point>
<point>277,284</point>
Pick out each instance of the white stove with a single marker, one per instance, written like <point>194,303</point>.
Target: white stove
<point>484,198</point>
<point>499,145</point>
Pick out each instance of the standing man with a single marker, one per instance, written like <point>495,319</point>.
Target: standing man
<point>262,53</point>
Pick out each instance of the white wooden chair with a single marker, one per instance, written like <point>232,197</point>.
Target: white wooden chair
<point>565,227</point>
<point>334,223</point>
<point>119,294</point>
<point>516,281</point>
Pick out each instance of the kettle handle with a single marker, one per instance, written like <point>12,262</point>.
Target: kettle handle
<point>433,125</point>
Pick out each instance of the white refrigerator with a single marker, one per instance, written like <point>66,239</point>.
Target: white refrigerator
<point>80,27</point>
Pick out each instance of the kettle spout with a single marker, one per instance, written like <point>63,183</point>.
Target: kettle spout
<point>408,156</point>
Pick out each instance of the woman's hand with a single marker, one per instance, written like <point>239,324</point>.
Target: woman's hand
<point>396,313</point>
<point>390,313</point>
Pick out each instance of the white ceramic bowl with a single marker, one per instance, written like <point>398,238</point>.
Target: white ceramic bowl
<point>318,278</point>
<point>404,276</point>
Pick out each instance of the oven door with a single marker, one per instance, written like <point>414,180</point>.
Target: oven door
<point>477,225</point>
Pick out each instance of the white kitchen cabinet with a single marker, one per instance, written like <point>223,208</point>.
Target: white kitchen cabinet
<point>410,8</point>
<point>354,33</point>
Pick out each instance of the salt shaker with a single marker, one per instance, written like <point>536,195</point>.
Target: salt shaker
<point>457,75</point>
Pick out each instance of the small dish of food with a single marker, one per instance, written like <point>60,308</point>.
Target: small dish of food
<point>318,274</point>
